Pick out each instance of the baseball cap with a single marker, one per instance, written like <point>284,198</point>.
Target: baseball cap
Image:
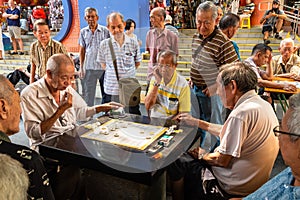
<point>276,1</point>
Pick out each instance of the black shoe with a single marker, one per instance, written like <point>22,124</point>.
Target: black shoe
<point>277,36</point>
<point>13,53</point>
<point>266,41</point>
<point>21,53</point>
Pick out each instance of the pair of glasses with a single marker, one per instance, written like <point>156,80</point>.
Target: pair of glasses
<point>277,132</point>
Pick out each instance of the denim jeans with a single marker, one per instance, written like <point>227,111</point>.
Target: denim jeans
<point>211,110</point>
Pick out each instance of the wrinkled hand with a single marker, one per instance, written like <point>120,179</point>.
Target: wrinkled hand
<point>81,73</point>
<point>66,101</point>
<point>157,74</point>
<point>196,152</point>
<point>186,118</point>
<point>290,87</point>
<point>210,91</point>
<point>110,106</point>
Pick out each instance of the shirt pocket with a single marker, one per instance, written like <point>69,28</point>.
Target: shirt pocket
<point>128,59</point>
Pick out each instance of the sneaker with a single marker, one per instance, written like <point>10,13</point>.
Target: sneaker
<point>21,53</point>
<point>277,36</point>
<point>266,41</point>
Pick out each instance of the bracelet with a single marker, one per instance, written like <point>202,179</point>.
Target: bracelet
<point>156,84</point>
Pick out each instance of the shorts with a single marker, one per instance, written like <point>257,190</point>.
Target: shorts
<point>14,32</point>
<point>267,27</point>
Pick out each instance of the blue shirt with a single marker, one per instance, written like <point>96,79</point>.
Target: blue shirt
<point>13,22</point>
<point>91,42</point>
<point>277,188</point>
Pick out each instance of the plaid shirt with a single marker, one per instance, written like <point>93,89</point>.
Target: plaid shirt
<point>39,56</point>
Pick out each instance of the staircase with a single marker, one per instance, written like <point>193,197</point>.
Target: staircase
<point>13,62</point>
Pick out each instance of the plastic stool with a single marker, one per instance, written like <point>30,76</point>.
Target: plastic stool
<point>246,22</point>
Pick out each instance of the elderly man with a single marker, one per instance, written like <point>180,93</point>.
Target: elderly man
<point>260,56</point>
<point>10,112</point>
<point>229,24</point>
<point>272,21</point>
<point>50,106</point>
<point>211,49</point>
<point>286,185</point>
<point>128,58</point>
<point>248,147</point>
<point>287,64</point>
<point>89,41</point>
<point>159,38</point>
<point>169,93</point>
<point>42,49</point>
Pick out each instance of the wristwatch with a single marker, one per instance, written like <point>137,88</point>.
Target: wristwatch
<point>156,84</point>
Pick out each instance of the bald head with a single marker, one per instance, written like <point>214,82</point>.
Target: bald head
<point>58,61</point>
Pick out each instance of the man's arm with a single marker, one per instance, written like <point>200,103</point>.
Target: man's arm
<point>271,84</point>
<point>65,104</point>
<point>214,129</point>
<point>81,60</point>
<point>151,97</point>
<point>32,72</point>
<point>217,159</point>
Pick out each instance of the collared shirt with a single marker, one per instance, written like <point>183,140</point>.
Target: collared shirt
<point>171,98</point>
<point>39,105</point>
<point>279,187</point>
<point>91,42</point>
<point>254,67</point>
<point>156,42</point>
<point>217,51</point>
<point>126,55</point>
<point>292,66</point>
<point>39,56</point>
<point>31,161</point>
<point>247,135</point>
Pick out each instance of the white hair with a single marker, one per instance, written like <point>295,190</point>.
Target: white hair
<point>14,181</point>
<point>287,40</point>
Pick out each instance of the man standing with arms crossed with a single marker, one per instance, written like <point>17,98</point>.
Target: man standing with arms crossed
<point>89,41</point>
<point>211,49</point>
<point>13,20</point>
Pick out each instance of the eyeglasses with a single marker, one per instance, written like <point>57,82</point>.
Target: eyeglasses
<point>277,132</point>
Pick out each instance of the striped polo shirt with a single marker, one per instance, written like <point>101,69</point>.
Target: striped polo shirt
<point>171,98</point>
<point>217,51</point>
<point>127,56</point>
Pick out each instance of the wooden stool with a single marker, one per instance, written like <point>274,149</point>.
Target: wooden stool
<point>246,22</point>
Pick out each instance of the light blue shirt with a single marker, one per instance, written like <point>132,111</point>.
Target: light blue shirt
<point>91,42</point>
<point>278,188</point>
